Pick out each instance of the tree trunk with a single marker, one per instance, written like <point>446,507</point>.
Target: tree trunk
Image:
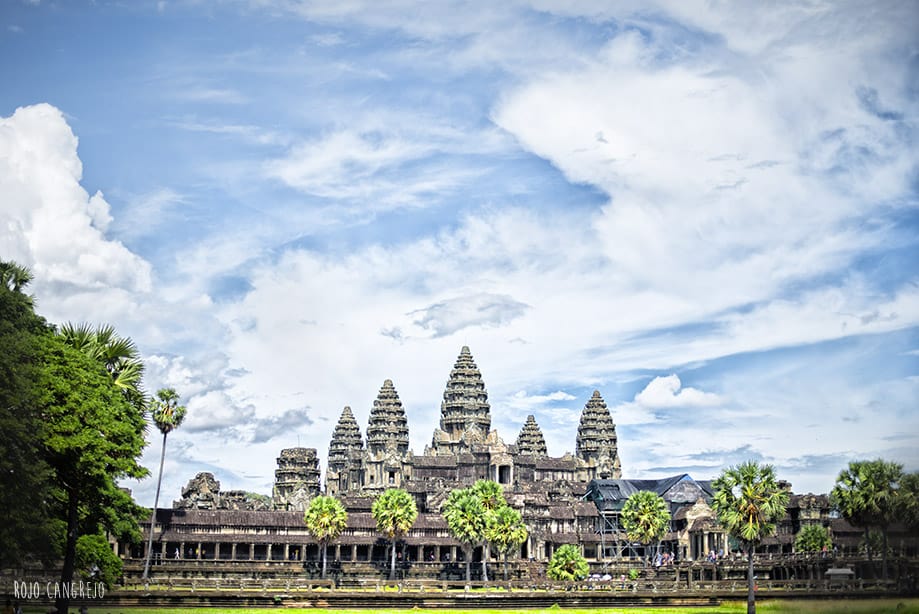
<point>70,552</point>
<point>751,594</point>
<point>325,551</point>
<point>884,555</point>
<point>156,501</point>
<point>868,547</point>
<point>484,562</point>
<point>392,568</point>
<point>505,565</point>
<point>468,562</point>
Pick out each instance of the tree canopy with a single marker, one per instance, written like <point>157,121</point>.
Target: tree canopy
<point>567,564</point>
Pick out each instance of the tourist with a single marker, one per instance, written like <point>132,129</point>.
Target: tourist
<point>8,608</point>
<point>178,554</point>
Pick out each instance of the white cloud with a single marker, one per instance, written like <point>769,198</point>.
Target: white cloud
<point>50,224</point>
<point>667,392</point>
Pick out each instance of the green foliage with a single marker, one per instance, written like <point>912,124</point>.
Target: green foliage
<point>26,530</point>
<point>812,538</point>
<point>394,512</point>
<point>749,501</point>
<point>96,561</point>
<point>866,493</point>
<point>506,531</point>
<point>465,516</point>
<point>645,517</point>
<point>568,563</point>
<point>119,356</point>
<point>325,518</point>
<point>167,413</point>
<point>634,573</point>
<point>908,504</point>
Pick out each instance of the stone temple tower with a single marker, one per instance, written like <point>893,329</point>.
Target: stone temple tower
<point>296,480</point>
<point>465,417</point>
<point>596,443</point>
<point>344,468</point>
<point>531,441</point>
<point>384,459</point>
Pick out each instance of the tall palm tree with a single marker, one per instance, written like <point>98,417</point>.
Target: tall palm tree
<point>394,512</point>
<point>867,494</point>
<point>466,520</point>
<point>749,501</point>
<point>645,517</point>
<point>492,497</point>
<point>506,532</point>
<point>325,518</point>
<point>167,415</point>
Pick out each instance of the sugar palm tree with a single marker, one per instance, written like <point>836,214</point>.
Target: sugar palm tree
<point>749,501</point>
<point>167,415</point>
<point>325,519</point>
<point>466,520</point>
<point>506,532</point>
<point>645,517</point>
<point>492,497</point>
<point>119,356</point>
<point>867,494</point>
<point>14,276</point>
<point>394,512</point>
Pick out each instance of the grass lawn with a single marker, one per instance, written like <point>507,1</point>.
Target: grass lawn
<point>853,606</point>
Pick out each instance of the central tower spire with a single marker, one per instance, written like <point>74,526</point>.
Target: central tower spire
<point>465,416</point>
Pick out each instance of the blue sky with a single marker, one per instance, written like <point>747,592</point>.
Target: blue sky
<point>708,213</point>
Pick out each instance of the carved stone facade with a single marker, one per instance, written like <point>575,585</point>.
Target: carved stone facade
<point>203,493</point>
<point>296,480</point>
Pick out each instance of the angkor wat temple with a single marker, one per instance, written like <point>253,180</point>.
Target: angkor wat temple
<point>572,499</point>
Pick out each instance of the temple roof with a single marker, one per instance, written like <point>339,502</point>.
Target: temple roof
<point>465,401</point>
<point>388,425</point>
<point>531,441</point>
<point>596,431</point>
<point>345,438</point>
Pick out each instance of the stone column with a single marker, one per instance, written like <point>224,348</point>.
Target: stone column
<point>252,552</point>
<point>182,553</point>
<point>233,551</point>
<point>437,553</point>
<point>338,552</point>
<point>216,551</point>
<point>163,554</point>
<point>286,552</point>
<point>268,552</point>
<point>353,552</point>
<point>198,552</point>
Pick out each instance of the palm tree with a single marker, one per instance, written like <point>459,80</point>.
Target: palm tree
<point>868,494</point>
<point>645,517</point>
<point>395,513</point>
<point>119,356</point>
<point>466,519</point>
<point>506,532</point>
<point>325,518</point>
<point>749,501</point>
<point>492,497</point>
<point>567,563</point>
<point>167,415</point>
<point>14,276</point>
